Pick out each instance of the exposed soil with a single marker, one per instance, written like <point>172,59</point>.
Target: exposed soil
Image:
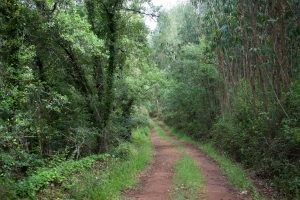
<point>156,182</point>
<point>216,186</point>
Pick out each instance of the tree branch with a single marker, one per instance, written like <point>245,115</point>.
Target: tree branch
<point>141,12</point>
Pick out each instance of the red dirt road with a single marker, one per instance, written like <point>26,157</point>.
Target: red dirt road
<point>156,182</point>
<point>216,187</point>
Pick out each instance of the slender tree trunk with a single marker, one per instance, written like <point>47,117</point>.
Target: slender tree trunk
<point>283,67</point>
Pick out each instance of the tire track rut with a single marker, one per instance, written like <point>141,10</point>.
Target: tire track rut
<point>156,182</point>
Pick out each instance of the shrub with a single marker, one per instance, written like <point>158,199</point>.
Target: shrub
<point>7,189</point>
<point>268,143</point>
<point>29,186</point>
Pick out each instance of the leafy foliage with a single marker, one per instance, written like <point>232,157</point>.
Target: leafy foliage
<point>66,85</point>
<point>42,177</point>
<point>120,173</point>
<point>233,72</point>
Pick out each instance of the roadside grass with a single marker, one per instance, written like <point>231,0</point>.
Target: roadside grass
<point>118,175</point>
<point>102,176</point>
<point>234,172</point>
<point>188,180</point>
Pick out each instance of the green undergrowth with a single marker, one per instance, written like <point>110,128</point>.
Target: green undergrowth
<point>101,176</point>
<point>30,186</point>
<point>187,179</point>
<point>119,174</point>
<point>234,172</point>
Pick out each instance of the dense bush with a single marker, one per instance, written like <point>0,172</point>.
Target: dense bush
<point>64,173</point>
<point>234,69</point>
<point>269,144</point>
<point>120,172</point>
<point>72,76</point>
<point>29,186</point>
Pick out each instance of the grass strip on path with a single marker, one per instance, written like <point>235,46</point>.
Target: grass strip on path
<point>234,172</point>
<point>188,180</point>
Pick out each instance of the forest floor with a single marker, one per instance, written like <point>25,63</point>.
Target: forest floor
<point>156,182</point>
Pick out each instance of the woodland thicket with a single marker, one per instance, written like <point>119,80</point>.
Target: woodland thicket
<point>77,75</point>
<point>70,79</point>
<point>234,70</point>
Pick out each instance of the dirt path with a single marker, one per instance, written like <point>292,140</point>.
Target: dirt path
<point>216,187</point>
<point>156,182</point>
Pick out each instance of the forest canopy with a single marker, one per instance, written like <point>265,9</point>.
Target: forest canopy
<point>77,76</point>
<point>235,71</point>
